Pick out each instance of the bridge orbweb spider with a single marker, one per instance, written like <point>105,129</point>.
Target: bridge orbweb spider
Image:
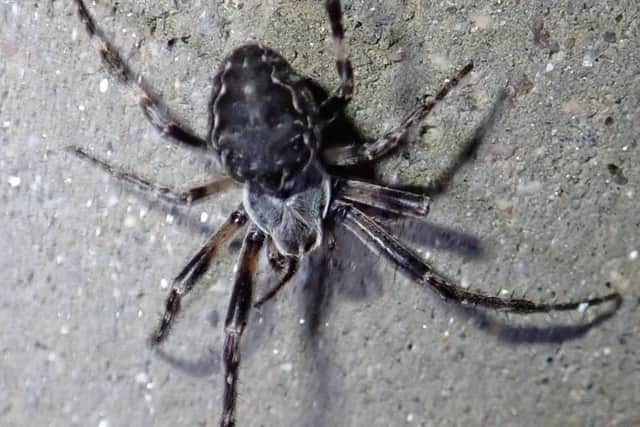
<point>265,127</point>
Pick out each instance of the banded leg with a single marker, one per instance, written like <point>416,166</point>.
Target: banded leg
<point>179,198</point>
<point>157,113</point>
<point>278,262</point>
<point>236,321</point>
<point>382,242</point>
<point>371,151</point>
<point>384,198</point>
<point>343,64</point>
<point>194,270</point>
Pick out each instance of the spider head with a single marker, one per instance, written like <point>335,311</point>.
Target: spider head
<point>294,220</point>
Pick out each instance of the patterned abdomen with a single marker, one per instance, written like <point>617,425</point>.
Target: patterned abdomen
<point>264,118</point>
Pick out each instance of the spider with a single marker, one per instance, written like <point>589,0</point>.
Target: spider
<point>265,131</point>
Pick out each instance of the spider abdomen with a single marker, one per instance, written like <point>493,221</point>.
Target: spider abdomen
<point>264,119</point>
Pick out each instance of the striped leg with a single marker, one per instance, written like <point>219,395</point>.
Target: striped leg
<point>236,321</point>
<point>371,151</point>
<point>279,263</point>
<point>385,244</point>
<point>343,64</point>
<point>386,199</point>
<point>141,184</point>
<point>194,270</point>
<point>155,110</point>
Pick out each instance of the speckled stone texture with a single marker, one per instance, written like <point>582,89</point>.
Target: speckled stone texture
<point>551,194</point>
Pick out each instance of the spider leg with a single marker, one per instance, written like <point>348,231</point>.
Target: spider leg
<point>382,242</point>
<point>194,270</point>
<point>157,113</point>
<point>380,197</point>
<point>343,63</point>
<point>370,151</point>
<point>236,320</point>
<point>278,262</point>
<point>167,194</point>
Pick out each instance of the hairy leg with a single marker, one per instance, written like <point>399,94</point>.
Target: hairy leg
<point>371,151</point>
<point>279,263</point>
<point>236,321</point>
<point>141,184</point>
<point>343,63</point>
<point>194,270</point>
<point>387,199</point>
<point>384,243</point>
<point>155,110</point>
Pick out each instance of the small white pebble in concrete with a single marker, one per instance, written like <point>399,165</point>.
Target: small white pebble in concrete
<point>98,231</point>
<point>64,330</point>
<point>410,417</point>
<point>51,357</point>
<point>129,221</point>
<point>169,219</point>
<point>301,321</point>
<point>89,203</point>
<point>6,124</point>
<point>143,212</point>
<point>549,67</point>
<point>142,378</point>
<point>528,187</point>
<point>464,283</point>
<point>59,259</point>
<point>276,351</point>
<point>104,423</point>
<point>14,181</point>
<point>74,34</point>
<point>286,367</point>
<point>204,217</point>
<point>164,283</point>
<point>633,255</point>
<point>104,85</point>
<point>587,59</point>
<point>81,107</point>
<point>583,307</point>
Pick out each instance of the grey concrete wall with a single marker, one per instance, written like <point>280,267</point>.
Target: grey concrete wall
<point>551,193</point>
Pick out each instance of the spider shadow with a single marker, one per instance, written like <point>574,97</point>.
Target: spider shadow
<point>204,366</point>
<point>467,150</point>
<point>349,272</point>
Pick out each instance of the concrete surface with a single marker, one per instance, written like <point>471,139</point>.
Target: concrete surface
<point>552,194</point>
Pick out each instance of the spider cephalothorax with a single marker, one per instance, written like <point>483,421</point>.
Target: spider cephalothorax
<point>265,127</point>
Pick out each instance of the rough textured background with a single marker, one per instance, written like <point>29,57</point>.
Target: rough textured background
<point>552,194</point>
